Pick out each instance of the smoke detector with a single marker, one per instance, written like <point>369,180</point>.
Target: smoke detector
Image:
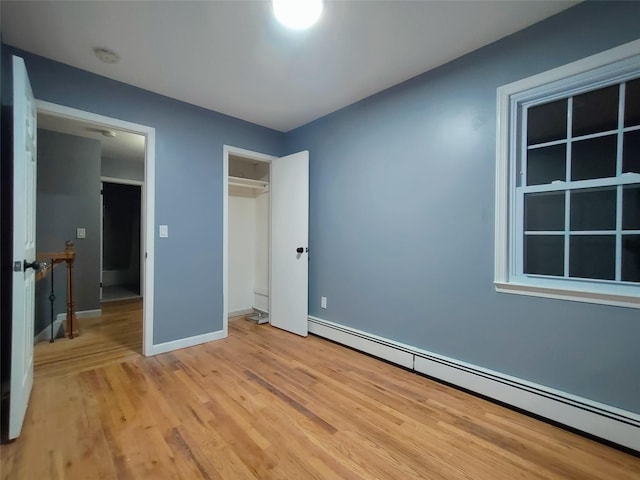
<point>103,132</point>
<point>105,55</point>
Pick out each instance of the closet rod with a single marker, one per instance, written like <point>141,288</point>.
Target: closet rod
<point>247,183</point>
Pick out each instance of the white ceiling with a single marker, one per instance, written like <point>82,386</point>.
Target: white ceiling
<point>232,56</point>
<point>124,146</point>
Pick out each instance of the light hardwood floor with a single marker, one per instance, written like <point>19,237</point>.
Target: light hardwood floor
<point>114,336</point>
<point>267,404</point>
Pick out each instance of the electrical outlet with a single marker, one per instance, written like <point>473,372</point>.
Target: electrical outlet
<point>323,302</point>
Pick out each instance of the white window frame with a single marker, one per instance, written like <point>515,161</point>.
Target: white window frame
<point>603,68</point>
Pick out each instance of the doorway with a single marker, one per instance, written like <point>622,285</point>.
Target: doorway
<point>247,235</point>
<point>106,126</point>
<point>121,256</point>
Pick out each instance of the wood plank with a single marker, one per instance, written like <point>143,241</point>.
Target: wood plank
<point>265,404</point>
<point>113,337</point>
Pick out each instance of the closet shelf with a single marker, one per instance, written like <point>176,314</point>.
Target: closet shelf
<point>248,183</point>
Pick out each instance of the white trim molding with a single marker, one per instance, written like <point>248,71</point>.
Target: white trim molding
<point>604,421</point>
<point>148,219</point>
<point>586,296</point>
<point>96,312</point>
<point>187,342</point>
<point>612,65</point>
<point>365,342</point>
<point>45,333</point>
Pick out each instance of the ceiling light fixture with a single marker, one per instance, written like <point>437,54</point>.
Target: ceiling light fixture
<point>297,14</point>
<point>105,55</point>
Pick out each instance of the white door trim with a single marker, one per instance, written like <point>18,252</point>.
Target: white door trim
<point>241,152</point>
<point>135,183</point>
<point>149,199</point>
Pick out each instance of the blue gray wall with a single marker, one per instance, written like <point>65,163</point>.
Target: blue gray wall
<point>189,142</point>
<point>65,202</point>
<point>402,220</point>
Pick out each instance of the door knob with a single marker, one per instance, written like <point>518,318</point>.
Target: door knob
<point>34,265</point>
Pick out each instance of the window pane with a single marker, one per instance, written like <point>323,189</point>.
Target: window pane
<point>544,254</point>
<point>594,158</point>
<point>593,209</point>
<point>595,111</point>
<point>632,103</point>
<point>631,258</point>
<point>544,211</point>
<point>592,256</point>
<point>631,207</point>
<point>544,165</point>
<point>547,122</point>
<point>631,152</point>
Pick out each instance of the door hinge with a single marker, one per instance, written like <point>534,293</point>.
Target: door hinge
<point>100,284</point>
<point>17,266</point>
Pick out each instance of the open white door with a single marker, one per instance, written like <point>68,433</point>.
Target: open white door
<point>24,246</point>
<point>289,240</point>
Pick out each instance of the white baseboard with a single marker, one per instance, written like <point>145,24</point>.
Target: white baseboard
<point>371,344</point>
<point>80,314</point>
<point>62,317</point>
<point>237,313</point>
<point>604,421</point>
<point>86,313</point>
<point>58,323</point>
<point>45,333</point>
<point>186,342</point>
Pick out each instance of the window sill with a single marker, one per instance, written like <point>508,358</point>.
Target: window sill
<point>587,296</point>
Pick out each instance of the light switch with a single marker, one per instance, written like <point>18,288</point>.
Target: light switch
<point>164,231</point>
<point>81,233</point>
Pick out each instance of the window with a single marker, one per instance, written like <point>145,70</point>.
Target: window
<point>568,181</point>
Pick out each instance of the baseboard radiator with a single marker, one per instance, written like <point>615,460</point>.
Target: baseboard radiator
<point>604,421</point>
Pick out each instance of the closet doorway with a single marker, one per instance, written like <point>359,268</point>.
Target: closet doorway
<point>121,253</point>
<point>248,237</point>
<point>265,238</point>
